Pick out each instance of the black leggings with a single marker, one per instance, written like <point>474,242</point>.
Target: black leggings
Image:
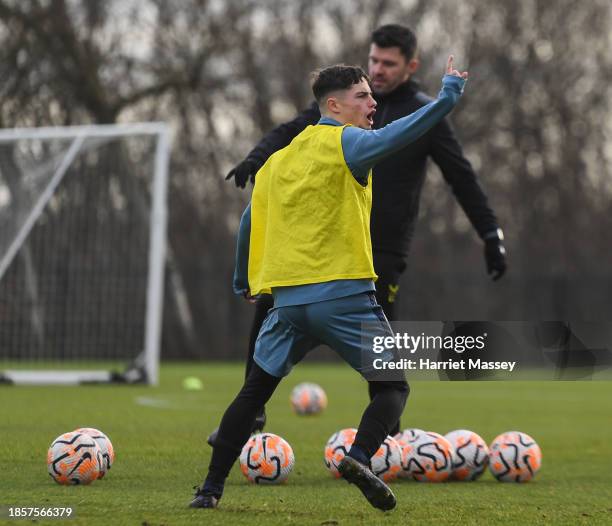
<point>237,422</point>
<point>389,268</point>
<point>381,417</point>
<point>264,303</point>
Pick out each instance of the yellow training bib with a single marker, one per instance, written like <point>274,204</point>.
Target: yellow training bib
<point>310,218</point>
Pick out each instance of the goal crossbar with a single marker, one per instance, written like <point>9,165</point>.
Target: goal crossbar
<point>89,130</point>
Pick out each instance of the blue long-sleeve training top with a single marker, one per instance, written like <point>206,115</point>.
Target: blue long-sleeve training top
<point>362,149</point>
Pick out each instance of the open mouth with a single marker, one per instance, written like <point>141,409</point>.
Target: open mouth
<point>370,117</point>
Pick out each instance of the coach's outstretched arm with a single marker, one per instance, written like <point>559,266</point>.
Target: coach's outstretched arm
<point>273,141</point>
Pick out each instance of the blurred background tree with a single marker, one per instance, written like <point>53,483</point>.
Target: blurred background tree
<point>535,122</point>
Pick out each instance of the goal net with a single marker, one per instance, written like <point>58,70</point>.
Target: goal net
<point>82,244</point>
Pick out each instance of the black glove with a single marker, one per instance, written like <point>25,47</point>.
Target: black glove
<point>495,256</point>
<point>242,172</point>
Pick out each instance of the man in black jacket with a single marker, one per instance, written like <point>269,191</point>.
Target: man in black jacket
<point>397,182</point>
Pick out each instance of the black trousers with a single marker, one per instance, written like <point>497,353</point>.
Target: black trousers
<point>381,414</point>
<point>389,268</point>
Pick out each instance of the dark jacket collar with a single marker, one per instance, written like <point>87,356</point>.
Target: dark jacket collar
<point>406,90</point>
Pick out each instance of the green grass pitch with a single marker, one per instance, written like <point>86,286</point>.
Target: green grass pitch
<point>159,437</point>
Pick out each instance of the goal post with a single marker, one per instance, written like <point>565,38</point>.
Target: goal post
<point>83,213</point>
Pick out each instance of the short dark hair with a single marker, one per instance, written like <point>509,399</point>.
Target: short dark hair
<point>395,35</point>
<point>334,78</point>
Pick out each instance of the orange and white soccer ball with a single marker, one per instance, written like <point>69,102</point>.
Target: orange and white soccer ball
<point>74,458</point>
<point>514,457</point>
<point>106,447</point>
<point>266,458</point>
<point>336,449</point>
<point>308,399</point>
<point>429,458</point>
<point>405,438</point>
<point>408,436</point>
<point>471,454</point>
<point>386,463</point>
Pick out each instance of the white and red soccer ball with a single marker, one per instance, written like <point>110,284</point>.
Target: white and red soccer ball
<point>405,438</point>
<point>308,399</point>
<point>408,436</point>
<point>106,447</point>
<point>266,458</point>
<point>74,458</point>
<point>336,449</point>
<point>514,457</point>
<point>385,463</point>
<point>471,454</point>
<point>427,458</point>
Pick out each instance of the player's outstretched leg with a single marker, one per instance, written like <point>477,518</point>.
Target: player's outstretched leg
<point>234,431</point>
<point>263,305</point>
<point>378,418</point>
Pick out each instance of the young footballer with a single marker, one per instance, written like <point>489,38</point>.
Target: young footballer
<point>305,237</point>
<point>397,182</point>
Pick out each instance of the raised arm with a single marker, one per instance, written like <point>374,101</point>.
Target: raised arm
<point>364,148</point>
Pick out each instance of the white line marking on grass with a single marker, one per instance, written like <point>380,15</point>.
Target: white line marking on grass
<point>183,402</point>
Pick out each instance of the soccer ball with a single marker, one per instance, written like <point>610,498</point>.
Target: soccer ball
<point>266,459</point>
<point>337,447</point>
<point>429,458</point>
<point>74,458</point>
<point>386,463</point>
<point>308,399</point>
<point>471,454</point>
<point>514,457</point>
<point>406,438</point>
<point>106,447</point>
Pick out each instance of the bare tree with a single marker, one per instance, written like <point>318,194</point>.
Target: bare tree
<point>534,121</point>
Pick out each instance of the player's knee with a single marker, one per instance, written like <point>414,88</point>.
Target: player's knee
<point>258,387</point>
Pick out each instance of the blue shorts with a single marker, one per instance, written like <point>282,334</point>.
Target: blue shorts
<point>347,325</point>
